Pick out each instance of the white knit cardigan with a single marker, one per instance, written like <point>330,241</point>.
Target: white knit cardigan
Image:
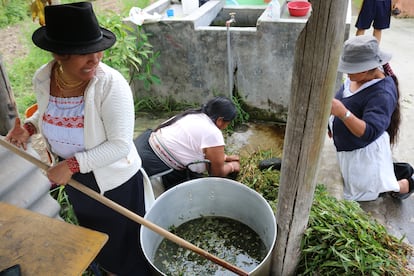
<point>108,125</point>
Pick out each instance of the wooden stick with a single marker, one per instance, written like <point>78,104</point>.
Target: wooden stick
<point>127,213</point>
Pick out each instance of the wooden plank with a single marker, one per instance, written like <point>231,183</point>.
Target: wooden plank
<point>43,245</point>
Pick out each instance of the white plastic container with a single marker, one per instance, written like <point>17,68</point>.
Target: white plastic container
<point>273,10</point>
<point>189,6</point>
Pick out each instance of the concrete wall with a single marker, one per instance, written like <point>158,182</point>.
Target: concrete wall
<point>194,56</point>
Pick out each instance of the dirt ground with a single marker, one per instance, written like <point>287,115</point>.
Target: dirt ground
<point>10,45</point>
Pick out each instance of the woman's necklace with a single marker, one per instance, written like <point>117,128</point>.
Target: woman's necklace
<point>64,84</point>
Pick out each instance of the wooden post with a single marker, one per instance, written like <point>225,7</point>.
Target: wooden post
<point>8,111</point>
<point>313,83</point>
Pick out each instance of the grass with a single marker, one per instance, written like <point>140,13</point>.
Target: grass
<point>12,12</point>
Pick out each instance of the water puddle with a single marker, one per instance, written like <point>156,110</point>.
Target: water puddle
<point>144,121</point>
<point>247,139</point>
<point>256,136</point>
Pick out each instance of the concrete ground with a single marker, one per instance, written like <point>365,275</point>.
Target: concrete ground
<point>396,215</point>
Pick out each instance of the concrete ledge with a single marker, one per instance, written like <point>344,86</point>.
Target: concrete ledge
<point>199,59</point>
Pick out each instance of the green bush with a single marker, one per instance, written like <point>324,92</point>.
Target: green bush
<point>132,54</point>
<point>12,12</point>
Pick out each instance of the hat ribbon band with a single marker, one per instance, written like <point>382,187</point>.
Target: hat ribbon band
<point>75,42</point>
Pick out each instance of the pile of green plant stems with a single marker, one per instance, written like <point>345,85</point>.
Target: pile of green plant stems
<point>341,238</point>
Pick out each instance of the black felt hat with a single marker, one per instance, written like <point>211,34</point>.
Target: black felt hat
<point>72,29</point>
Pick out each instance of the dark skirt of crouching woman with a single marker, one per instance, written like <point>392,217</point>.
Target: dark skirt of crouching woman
<point>122,254</point>
<point>154,165</point>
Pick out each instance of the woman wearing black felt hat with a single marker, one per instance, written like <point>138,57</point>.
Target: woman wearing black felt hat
<point>86,114</point>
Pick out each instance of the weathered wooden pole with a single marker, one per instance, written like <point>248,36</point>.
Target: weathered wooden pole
<point>8,111</point>
<point>313,83</point>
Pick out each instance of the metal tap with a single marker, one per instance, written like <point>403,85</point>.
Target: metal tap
<point>231,20</point>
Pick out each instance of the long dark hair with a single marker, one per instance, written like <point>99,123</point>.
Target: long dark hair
<point>394,127</point>
<point>215,108</point>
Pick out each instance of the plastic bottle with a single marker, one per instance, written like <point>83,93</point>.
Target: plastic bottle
<point>273,10</point>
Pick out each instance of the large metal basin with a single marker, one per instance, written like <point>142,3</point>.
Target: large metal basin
<point>211,196</point>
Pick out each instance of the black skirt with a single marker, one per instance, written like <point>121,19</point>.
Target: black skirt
<point>153,165</point>
<point>122,254</point>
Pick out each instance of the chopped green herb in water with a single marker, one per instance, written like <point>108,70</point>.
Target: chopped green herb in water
<point>225,238</point>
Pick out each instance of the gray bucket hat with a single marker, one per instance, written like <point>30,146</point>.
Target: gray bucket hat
<point>361,53</point>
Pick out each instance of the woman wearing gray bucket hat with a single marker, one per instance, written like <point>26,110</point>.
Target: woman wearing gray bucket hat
<point>86,115</point>
<point>365,121</point>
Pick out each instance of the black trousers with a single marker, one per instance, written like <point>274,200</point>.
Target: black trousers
<point>122,254</point>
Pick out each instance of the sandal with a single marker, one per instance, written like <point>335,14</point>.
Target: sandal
<point>410,190</point>
<point>273,163</point>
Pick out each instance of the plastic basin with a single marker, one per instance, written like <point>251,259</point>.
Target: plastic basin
<point>298,8</point>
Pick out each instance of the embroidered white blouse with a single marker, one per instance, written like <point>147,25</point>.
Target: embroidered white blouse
<point>108,125</point>
<point>62,125</point>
